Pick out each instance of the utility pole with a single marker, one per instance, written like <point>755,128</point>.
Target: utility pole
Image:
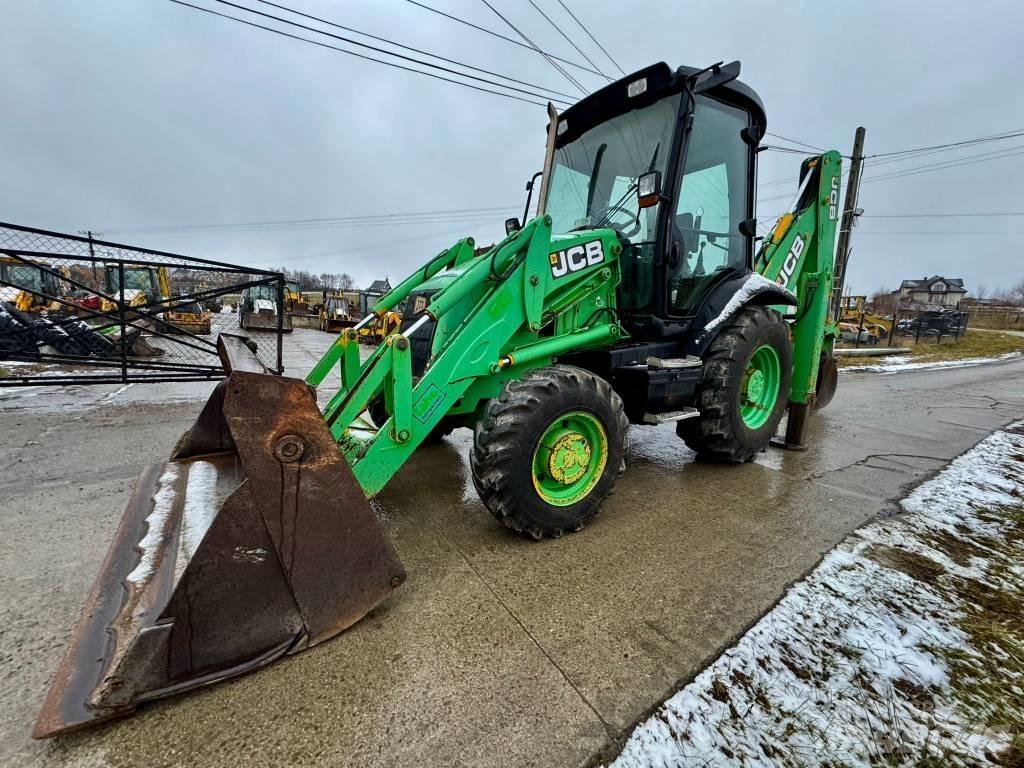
<point>92,253</point>
<point>850,214</point>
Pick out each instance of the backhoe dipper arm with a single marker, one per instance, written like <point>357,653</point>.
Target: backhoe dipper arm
<point>799,255</point>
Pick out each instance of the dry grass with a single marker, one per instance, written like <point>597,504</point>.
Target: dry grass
<point>973,344</point>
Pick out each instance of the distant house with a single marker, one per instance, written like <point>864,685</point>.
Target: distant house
<point>937,290</point>
<point>367,298</point>
<point>379,287</point>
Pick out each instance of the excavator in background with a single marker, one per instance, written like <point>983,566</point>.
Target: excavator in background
<point>379,327</point>
<point>150,286</point>
<point>858,325</point>
<point>27,286</point>
<point>294,299</point>
<point>39,318</point>
<point>336,313</point>
<point>259,307</point>
<point>635,296</point>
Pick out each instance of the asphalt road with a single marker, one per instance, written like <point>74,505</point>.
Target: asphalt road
<point>497,651</point>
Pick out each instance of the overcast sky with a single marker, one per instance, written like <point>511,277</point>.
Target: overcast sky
<point>122,115</point>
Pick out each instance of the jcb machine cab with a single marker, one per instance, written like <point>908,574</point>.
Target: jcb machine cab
<point>634,296</point>
<point>149,287</point>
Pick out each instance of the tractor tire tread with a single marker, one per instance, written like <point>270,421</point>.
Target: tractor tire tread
<point>712,435</point>
<point>498,442</point>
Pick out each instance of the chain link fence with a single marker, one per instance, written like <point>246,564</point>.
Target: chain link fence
<point>76,310</point>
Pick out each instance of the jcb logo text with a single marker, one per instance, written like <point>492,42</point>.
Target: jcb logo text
<point>576,258</point>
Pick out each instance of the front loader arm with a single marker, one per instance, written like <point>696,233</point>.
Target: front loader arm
<point>799,256</point>
<point>529,298</point>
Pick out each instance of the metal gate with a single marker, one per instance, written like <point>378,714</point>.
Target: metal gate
<point>75,310</point>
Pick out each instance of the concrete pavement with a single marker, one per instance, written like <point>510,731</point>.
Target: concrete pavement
<point>497,651</point>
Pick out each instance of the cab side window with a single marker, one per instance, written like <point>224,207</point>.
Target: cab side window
<point>712,200</point>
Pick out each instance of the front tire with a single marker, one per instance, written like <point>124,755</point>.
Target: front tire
<point>549,450</point>
<point>742,398</point>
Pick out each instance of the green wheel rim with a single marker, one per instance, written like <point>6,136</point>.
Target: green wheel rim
<point>569,458</point>
<point>759,389</point>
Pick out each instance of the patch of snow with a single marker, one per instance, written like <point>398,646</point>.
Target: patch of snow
<point>249,554</point>
<point>897,364</point>
<point>850,667</point>
<point>111,395</point>
<point>153,544</point>
<point>202,503</point>
<point>752,285</point>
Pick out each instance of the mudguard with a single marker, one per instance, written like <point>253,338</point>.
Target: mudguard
<point>728,300</point>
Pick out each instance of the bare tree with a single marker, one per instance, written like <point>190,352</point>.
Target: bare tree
<point>1017,293</point>
<point>883,300</point>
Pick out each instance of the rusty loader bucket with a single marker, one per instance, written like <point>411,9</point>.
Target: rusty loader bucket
<point>254,541</point>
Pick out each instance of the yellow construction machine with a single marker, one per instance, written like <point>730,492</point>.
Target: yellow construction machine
<point>29,287</point>
<point>380,328</point>
<point>150,287</point>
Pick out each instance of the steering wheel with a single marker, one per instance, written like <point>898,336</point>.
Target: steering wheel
<point>620,228</point>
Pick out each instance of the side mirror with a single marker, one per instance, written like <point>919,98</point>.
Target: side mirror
<point>512,225</point>
<point>648,189</point>
<point>748,227</point>
<point>752,134</point>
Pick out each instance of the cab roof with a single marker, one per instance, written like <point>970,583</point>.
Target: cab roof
<point>662,81</point>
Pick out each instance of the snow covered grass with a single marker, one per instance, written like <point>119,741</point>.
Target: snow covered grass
<point>905,646</point>
<point>897,364</point>
<point>975,348</point>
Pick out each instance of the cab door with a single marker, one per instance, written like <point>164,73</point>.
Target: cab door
<point>713,195</point>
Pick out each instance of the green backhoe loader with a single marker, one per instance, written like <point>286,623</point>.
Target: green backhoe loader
<point>634,296</point>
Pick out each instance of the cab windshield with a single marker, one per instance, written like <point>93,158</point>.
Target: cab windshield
<point>23,276</point>
<point>593,180</point>
<point>134,279</point>
<point>267,292</point>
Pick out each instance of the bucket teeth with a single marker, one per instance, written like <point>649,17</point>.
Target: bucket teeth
<point>254,541</point>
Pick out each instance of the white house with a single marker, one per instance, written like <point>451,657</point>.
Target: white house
<point>936,290</point>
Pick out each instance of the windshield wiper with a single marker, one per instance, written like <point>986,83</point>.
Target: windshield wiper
<point>592,186</point>
<point>632,188</point>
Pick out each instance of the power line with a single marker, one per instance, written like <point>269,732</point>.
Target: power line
<point>980,140</point>
<point>972,160</point>
<point>902,155</point>
<point>550,61</point>
<point>357,55</point>
<point>919,153</point>
<point>370,218</point>
<point>791,150</point>
<point>410,48</point>
<point>794,141</point>
<point>568,40</point>
<point>374,48</point>
<point>946,232</point>
<point>498,35</point>
<point>938,215</point>
<point>613,61</point>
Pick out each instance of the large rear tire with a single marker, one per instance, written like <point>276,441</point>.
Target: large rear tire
<point>549,450</point>
<point>742,397</point>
